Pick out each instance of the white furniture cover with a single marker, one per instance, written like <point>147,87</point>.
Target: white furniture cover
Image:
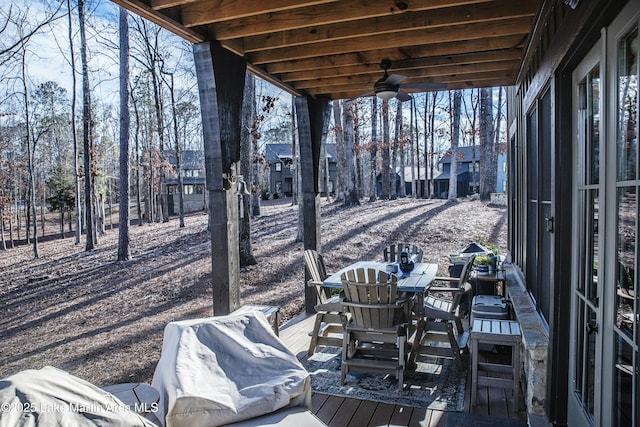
<point>226,369</point>
<point>52,397</point>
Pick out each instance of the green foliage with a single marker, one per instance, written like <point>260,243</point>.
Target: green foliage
<point>482,260</point>
<point>62,189</point>
<point>489,245</point>
<point>264,194</point>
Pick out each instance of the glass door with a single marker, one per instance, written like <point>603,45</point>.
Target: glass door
<point>587,277</point>
<point>625,304</point>
<point>604,387</point>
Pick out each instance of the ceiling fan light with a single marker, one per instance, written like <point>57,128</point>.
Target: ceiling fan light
<point>386,94</point>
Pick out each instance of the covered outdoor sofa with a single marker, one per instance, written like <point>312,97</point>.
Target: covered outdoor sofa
<point>227,370</point>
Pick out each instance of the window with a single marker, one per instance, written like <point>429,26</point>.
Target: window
<point>278,167</point>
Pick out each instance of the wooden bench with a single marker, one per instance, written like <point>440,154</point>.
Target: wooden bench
<point>496,332</point>
<point>271,312</point>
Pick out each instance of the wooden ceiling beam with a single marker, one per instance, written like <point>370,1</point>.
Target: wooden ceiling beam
<point>437,53</point>
<point>398,66</point>
<point>466,14</point>
<point>466,33</point>
<point>208,12</point>
<point>166,4</point>
<point>413,75</point>
<point>342,11</point>
<point>145,11</point>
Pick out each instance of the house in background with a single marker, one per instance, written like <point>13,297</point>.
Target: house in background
<point>280,160</point>
<point>468,172</point>
<point>193,181</point>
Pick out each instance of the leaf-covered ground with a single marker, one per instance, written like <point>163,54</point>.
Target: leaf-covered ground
<point>103,320</point>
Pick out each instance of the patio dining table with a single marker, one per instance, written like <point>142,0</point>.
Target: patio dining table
<point>417,281</point>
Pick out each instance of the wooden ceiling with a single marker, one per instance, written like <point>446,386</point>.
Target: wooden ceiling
<point>334,48</point>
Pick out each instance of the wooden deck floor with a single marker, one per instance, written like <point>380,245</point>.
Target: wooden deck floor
<point>494,406</point>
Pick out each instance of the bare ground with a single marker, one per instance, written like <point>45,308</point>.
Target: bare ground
<point>103,320</point>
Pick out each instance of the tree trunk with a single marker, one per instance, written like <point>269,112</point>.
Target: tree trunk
<point>74,132</point>
<point>340,152</point>
<point>386,174</point>
<point>296,173</point>
<point>415,160</point>
<point>356,148</point>
<point>394,152</point>
<point>350,194</point>
<point>87,131</point>
<point>137,162</point>
<point>374,147</point>
<point>432,119</point>
<point>30,153</point>
<point>125,123</point>
<point>455,136</point>
<point>487,163</point>
<point>246,157</point>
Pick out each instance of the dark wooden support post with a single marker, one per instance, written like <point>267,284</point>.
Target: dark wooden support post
<point>312,115</point>
<point>221,86</point>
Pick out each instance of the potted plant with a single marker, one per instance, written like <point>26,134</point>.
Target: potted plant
<point>482,264</point>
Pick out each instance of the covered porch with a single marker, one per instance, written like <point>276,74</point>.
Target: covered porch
<point>493,404</point>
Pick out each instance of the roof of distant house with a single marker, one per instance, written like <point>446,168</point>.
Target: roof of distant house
<point>191,159</point>
<point>274,153</point>
<point>465,155</point>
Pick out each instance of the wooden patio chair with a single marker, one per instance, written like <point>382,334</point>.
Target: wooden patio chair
<point>375,338</point>
<point>392,252</point>
<point>330,318</point>
<point>440,332</point>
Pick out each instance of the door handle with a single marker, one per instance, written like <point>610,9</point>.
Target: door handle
<point>592,327</point>
<point>549,225</point>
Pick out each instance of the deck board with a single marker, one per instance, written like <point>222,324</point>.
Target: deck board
<point>346,412</point>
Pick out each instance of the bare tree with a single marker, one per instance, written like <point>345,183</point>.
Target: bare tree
<point>472,119</point>
<point>374,147</point>
<point>384,171</point>
<point>488,163</point>
<point>87,132</point>
<point>125,122</point>
<point>74,129</point>
<point>340,150</point>
<point>246,170</point>
<point>30,149</point>
<point>455,137</point>
<point>350,197</point>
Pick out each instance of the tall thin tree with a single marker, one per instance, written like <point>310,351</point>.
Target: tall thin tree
<point>30,150</point>
<point>487,162</point>
<point>125,124</point>
<point>455,139</point>
<point>74,129</point>
<point>246,170</point>
<point>86,126</point>
<point>374,147</point>
<point>385,170</point>
<point>350,197</point>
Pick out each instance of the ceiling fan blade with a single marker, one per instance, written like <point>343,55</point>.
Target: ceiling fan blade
<point>403,96</point>
<point>425,86</point>
<point>394,79</point>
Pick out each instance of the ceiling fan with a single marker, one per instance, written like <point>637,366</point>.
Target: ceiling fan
<point>389,85</point>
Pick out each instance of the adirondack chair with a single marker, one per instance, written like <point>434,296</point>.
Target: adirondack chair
<point>440,332</point>
<point>330,318</point>
<point>392,252</point>
<point>375,338</point>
